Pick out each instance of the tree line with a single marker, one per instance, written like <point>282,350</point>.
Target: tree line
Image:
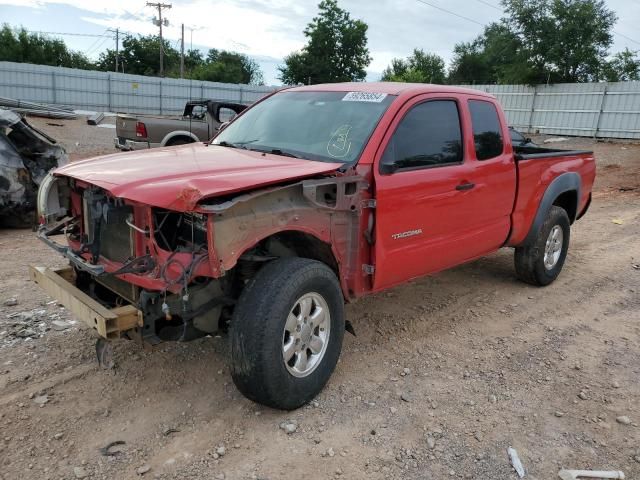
<point>536,41</point>
<point>138,55</point>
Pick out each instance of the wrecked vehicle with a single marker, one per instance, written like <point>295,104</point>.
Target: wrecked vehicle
<point>314,196</point>
<point>26,156</point>
<point>199,122</point>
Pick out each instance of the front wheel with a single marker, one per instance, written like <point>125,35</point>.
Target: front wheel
<point>286,333</point>
<point>541,262</point>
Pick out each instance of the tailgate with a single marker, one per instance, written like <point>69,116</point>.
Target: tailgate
<point>126,127</point>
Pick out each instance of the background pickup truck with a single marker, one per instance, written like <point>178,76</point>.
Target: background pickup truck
<point>314,196</point>
<point>199,122</point>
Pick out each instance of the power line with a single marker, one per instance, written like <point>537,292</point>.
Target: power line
<point>450,12</point>
<point>95,42</point>
<point>500,9</point>
<point>65,33</point>
<point>99,45</point>
<point>624,36</point>
<point>489,5</point>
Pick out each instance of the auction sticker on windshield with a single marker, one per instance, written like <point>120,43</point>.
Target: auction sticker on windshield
<point>364,97</point>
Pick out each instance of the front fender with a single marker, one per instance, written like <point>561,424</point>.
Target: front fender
<point>239,224</point>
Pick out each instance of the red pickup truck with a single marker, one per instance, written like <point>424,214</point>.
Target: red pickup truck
<point>314,196</point>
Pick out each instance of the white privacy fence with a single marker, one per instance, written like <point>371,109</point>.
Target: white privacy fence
<point>599,110</point>
<point>115,92</point>
<point>602,110</point>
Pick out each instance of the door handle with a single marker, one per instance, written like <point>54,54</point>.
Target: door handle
<point>465,186</point>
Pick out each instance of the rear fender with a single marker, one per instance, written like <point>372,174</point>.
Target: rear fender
<point>567,182</point>
<point>178,133</point>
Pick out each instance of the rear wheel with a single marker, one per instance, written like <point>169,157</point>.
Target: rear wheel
<point>179,141</point>
<point>286,333</point>
<point>541,262</point>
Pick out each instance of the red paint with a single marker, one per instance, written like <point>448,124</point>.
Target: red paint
<point>535,176</point>
<point>177,178</point>
<point>455,226</point>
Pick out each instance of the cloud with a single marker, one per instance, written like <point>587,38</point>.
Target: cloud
<point>271,29</point>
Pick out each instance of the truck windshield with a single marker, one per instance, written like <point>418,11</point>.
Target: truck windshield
<point>323,126</point>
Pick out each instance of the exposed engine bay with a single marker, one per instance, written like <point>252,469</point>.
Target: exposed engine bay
<point>111,242</point>
<point>26,156</point>
<point>184,271</point>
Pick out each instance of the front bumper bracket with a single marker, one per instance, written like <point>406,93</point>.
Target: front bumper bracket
<point>79,262</point>
<point>109,323</point>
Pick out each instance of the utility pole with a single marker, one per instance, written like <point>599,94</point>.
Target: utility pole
<point>117,43</point>
<point>159,22</point>
<point>182,53</point>
<point>116,31</point>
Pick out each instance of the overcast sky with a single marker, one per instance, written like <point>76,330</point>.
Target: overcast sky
<point>267,30</point>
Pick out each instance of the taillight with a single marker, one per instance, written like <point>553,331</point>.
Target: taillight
<point>141,130</point>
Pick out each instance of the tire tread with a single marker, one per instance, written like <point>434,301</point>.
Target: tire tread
<point>252,354</point>
<point>528,259</point>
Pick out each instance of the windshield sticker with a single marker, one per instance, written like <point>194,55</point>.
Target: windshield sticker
<point>364,97</point>
<point>339,144</point>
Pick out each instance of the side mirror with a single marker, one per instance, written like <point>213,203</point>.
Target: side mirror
<point>528,140</point>
<point>388,168</point>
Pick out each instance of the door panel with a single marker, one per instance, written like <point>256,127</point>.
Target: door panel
<point>433,218</point>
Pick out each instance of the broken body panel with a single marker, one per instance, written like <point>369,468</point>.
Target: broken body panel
<point>176,250</point>
<point>26,156</point>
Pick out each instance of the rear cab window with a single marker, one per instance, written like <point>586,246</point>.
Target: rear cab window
<point>428,136</point>
<point>487,130</point>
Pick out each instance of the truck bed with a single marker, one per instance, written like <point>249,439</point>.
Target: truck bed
<point>531,153</point>
<point>539,167</point>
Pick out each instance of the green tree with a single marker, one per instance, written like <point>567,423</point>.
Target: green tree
<point>336,50</point>
<point>192,60</point>
<point>18,45</point>
<point>562,40</point>
<point>495,56</point>
<point>469,64</point>
<point>228,67</point>
<point>140,55</point>
<point>538,41</point>
<point>419,67</point>
<point>623,67</point>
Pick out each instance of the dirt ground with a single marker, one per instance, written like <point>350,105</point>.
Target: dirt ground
<point>444,375</point>
<point>79,139</point>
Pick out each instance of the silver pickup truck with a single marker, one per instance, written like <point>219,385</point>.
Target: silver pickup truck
<point>200,120</point>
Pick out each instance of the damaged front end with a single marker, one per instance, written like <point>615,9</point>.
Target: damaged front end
<point>124,252</point>
<point>26,156</point>
<point>183,271</point>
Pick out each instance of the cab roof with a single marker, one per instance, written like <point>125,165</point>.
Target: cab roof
<point>390,88</point>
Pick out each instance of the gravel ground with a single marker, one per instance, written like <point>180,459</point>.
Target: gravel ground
<point>444,375</point>
<point>79,139</point>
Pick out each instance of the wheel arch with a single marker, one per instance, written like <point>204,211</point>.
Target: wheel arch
<point>305,245</point>
<point>296,242</point>
<point>569,202</point>
<point>178,134</point>
<point>564,192</point>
